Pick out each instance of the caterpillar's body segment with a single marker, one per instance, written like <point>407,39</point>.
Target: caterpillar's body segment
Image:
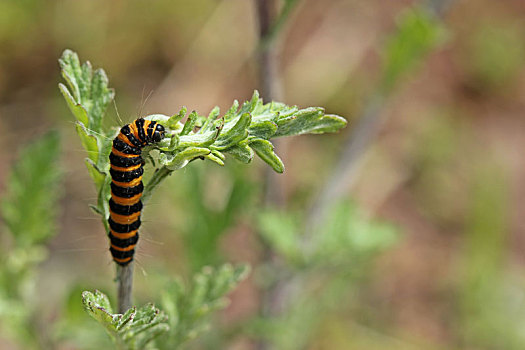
<point>126,186</point>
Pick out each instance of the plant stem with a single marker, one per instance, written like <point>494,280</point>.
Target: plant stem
<point>271,89</point>
<point>363,133</point>
<point>125,273</point>
<point>125,284</point>
<point>348,165</point>
<point>274,27</point>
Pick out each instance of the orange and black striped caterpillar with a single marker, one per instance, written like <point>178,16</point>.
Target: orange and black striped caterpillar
<point>126,186</point>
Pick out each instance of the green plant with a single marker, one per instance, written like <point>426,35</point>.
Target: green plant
<point>29,209</point>
<point>345,247</point>
<point>335,240</point>
<point>418,32</point>
<point>185,316</point>
<point>243,131</point>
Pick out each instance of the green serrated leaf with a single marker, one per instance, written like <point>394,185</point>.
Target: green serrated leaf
<point>309,120</point>
<point>218,155</point>
<point>250,106</point>
<point>263,129</point>
<point>105,144</point>
<point>189,308</point>
<point>97,175</point>
<point>209,125</point>
<point>126,320</point>
<point>97,306</point>
<point>89,90</point>
<point>70,65</point>
<point>103,200</point>
<point>29,206</point>
<point>181,159</point>
<point>214,159</point>
<point>232,112</point>
<point>135,329</point>
<point>173,122</point>
<point>233,134</point>
<point>101,96</point>
<point>98,299</point>
<point>190,124</point>
<point>264,150</point>
<point>198,140</point>
<point>89,142</point>
<point>328,123</point>
<point>242,152</point>
<point>76,108</point>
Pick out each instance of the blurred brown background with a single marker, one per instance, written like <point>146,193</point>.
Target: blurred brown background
<point>447,166</point>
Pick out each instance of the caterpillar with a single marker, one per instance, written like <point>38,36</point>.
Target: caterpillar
<point>126,186</point>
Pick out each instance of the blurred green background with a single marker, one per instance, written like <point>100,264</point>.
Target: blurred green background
<point>445,170</point>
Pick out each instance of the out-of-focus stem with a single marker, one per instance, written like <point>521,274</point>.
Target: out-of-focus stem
<point>273,298</point>
<point>439,7</point>
<point>276,24</point>
<point>271,87</point>
<point>267,54</point>
<point>347,168</point>
<point>125,273</point>
<point>125,285</point>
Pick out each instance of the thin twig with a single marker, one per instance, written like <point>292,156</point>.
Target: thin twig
<point>347,168</point>
<point>275,24</point>
<point>125,273</point>
<point>286,290</point>
<point>125,284</point>
<point>274,297</point>
<point>439,7</point>
<point>271,88</point>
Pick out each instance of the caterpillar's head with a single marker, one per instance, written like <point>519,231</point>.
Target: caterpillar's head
<point>158,134</point>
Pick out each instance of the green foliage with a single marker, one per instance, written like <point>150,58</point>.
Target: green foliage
<point>206,223</point>
<point>76,327</point>
<point>346,236</point>
<point>189,308</point>
<point>241,132</point>
<point>278,24</point>
<point>132,330</point>
<point>281,231</point>
<point>88,95</point>
<point>339,255</point>
<point>418,32</point>
<point>186,315</point>
<point>29,210</point>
